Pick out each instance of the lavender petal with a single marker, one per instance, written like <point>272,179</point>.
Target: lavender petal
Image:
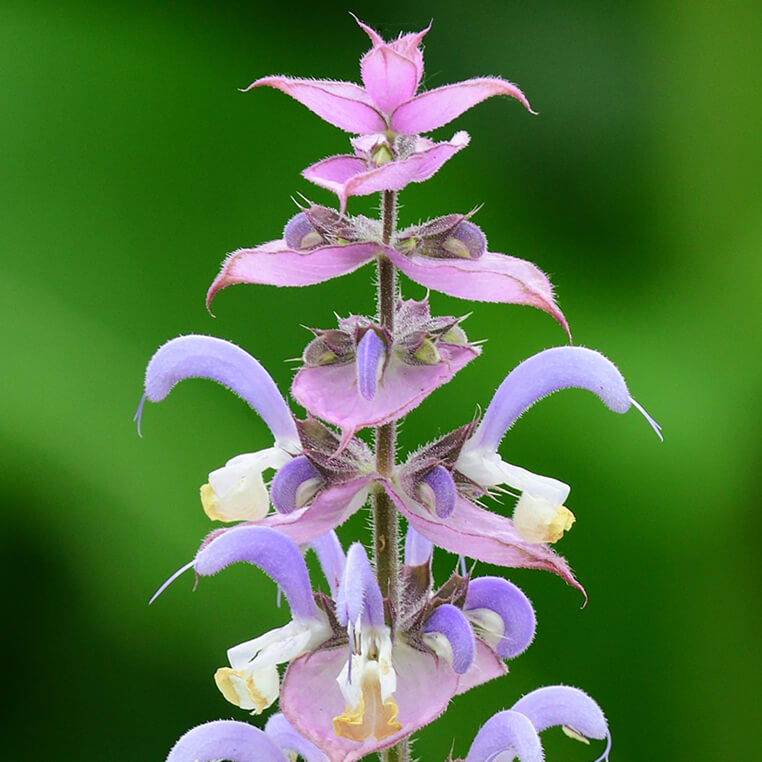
<point>371,355</point>
<point>545,373</point>
<point>332,559</point>
<point>511,605</point>
<point>418,550</point>
<point>271,551</point>
<point>359,597</point>
<point>280,730</point>
<point>439,479</point>
<point>507,731</point>
<point>225,739</point>
<point>564,705</point>
<point>229,365</point>
<point>449,620</point>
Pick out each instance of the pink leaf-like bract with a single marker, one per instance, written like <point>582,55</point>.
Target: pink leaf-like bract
<point>436,108</point>
<point>347,175</point>
<point>330,392</point>
<point>477,533</point>
<point>343,104</point>
<point>274,264</point>
<point>425,685</point>
<point>330,508</point>
<point>491,278</point>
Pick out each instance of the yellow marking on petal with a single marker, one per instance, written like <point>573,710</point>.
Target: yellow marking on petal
<point>371,716</point>
<point>226,680</point>
<point>538,520</point>
<point>223,678</point>
<point>210,501</point>
<point>259,701</point>
<point>562,522</point>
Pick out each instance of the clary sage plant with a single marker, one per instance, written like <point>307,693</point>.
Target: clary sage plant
<point>359,670</point>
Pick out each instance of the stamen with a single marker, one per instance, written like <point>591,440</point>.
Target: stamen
<point>655,426</point>
<point>180,571</point>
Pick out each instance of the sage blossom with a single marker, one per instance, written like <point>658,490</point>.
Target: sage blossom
<point>369,671</point>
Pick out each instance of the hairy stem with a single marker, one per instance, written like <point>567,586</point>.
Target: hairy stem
<point>398,753</point>
<point>385,521</point>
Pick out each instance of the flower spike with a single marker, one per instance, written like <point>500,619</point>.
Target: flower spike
<point>229,365</point>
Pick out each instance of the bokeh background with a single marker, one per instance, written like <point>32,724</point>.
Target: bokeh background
<point>130,164</point>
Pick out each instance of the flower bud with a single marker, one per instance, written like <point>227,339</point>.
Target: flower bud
<point>299,233</point>
<point>450,237</point>
<point>427,353</point>
<point>466,241</point>
<point>381,155</point>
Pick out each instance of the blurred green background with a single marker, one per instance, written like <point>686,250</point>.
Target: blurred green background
<point>131,164</point>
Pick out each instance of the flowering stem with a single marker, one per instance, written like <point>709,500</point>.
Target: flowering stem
<point>385,521</point>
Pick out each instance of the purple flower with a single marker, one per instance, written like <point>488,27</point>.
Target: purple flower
<point>467,465</point>
<point>447,254</point>
<point>321,480</point>
<point>237,492</point>
<point>360,677</point>
<point>514,732</point>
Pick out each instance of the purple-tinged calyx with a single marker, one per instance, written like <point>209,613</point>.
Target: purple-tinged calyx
<point>540,515</point>
<point>453,236</point>
<point>468,529</point>
<point>514,732</point>
<point>361,375</point>
<point>447,254</point>
<point>319,225</point>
